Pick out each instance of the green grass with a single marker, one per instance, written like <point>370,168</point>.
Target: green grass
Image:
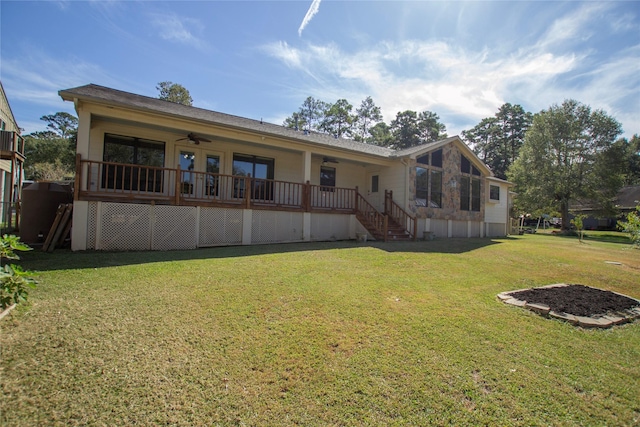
<point>319,334</point>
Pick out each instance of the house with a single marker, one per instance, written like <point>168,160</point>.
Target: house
<point>11,165</point>
<point>626,200</point>
<point>152,174</point>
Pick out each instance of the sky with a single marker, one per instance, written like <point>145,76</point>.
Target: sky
<point>261,59</point>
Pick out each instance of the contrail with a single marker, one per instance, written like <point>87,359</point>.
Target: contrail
<point>313,9</point>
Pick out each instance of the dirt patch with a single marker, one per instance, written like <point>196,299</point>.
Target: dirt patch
<point>578,300</point>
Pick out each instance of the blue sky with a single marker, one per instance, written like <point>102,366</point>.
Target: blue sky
<point>261,59</point>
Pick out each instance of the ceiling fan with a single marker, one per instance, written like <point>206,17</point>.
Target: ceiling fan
<point>326,159</point>
<point>193,139</point>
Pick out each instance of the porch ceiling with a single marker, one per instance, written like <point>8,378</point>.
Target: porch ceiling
<point>214,133</point>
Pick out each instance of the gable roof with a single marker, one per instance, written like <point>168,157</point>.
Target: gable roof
<point>8,114</point>
<point>113,97</point>
<point>418,150</point>
<point>108,96</point>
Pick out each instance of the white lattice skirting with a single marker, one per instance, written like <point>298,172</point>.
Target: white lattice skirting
<point>127,226</point>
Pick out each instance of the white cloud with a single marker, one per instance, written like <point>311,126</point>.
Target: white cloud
<point>313,9</point>
<point>35,79</point>
<point>179,29</point>
<point>423,75</point>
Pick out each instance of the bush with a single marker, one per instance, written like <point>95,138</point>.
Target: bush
<point>13,280</point>
<point>632,227</point>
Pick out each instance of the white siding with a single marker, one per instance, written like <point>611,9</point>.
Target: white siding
<point>496,211</point>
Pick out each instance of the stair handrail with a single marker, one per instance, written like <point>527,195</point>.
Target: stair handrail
<point>399,215</point>
<point>378,221</point>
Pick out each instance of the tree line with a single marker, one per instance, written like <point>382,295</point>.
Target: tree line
<point>365,124</point>
<point>560,155</point>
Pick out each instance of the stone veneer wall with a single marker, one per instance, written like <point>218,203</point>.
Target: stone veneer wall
<point>450,209</point>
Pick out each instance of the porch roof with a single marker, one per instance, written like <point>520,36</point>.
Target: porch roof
<point>112,97</point>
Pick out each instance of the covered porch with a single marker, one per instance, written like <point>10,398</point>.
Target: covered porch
<point>137,207</point>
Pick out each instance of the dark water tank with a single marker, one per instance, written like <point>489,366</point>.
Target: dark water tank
<point>40,202</point>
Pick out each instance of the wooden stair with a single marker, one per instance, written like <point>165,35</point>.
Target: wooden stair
<point>376,222</point>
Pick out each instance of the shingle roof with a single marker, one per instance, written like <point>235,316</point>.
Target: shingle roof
<point>130,100</point>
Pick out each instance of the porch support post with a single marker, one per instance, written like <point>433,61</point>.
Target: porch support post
<point>306,197</point>
<point>177,189</point>
<point>306,164</point>
<point>449,228</point>
<point>247,191</point>
<point>84,127</point>
<point>79,180</point>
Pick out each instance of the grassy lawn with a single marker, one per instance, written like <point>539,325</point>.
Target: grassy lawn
<point>319,334</point>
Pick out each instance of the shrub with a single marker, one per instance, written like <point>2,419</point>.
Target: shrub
<point>632,226</point>
<point>13,280</point>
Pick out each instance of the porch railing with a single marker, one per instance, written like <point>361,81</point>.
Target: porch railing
<point>11,141</point>
<point>99,180</point>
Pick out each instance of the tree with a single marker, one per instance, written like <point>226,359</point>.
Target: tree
<point>629,150</point>
<point>367,116</point>
<point>558,162</point>
<point>62,124</point>
<point>50,155</point>
<point>338,119</point>
<point>405,131</point>
<point>483,138</point>
<point>308,116</point>
<point>431,129</point>
<point>497,140</point>
<point>380,134</point>
<point>174,92</point>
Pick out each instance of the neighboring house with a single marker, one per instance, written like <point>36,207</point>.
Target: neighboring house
<point>11,165</point>
<point>626,201</point>
<point>152,174</point>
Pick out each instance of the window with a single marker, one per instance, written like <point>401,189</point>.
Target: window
<point>475,194</point>
<point>428,187</point>
<point>422,186</point>
<point>132,151</point>
<point>374,183</point>
<point>467,167</point>
<point>429,181</point>
<point>435,201</point>
<point>469,194</point>
<point>261,169</point>
<point>327,178</point>
<point>494,192</point>
<point>469,186</point>
<point>212,180</point>
<point>436,158</point>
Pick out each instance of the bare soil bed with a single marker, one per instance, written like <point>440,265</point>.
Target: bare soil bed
<point>578,300</point>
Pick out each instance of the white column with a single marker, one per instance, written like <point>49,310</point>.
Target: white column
<point>79,229</point>
<point>306,164</point>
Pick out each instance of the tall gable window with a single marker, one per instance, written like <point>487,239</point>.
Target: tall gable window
<point>429,179</point>
<point>469,186</point>
<point>147,155</point>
